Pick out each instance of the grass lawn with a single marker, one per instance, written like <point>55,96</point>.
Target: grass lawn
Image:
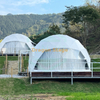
<point>81,90</point>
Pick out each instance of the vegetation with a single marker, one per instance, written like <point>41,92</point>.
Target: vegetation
<point>2,60</point>
<point>84,16</point>
<point>81,89</point>
<point>27,24</point>
<point>81,96</point>
<point>53,30</point>
<point>81,23</point>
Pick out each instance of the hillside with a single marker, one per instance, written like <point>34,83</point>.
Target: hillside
<point>27,24</point>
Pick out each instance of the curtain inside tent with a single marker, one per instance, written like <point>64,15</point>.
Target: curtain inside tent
<point>15,47</point>
<point>57,60</point>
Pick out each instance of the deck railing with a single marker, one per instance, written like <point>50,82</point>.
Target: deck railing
<point>67,66</point>
<point>62,66</point>
<point>93,71</point>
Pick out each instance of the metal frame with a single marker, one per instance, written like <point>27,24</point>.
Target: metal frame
<point>72,77</point>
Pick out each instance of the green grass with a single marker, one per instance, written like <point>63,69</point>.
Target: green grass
<point>22,86</point>
<point>2,59</point>
<point>96,65</point>
<point>81,90</point>
<point>81,96</point>
<point>25,62</point>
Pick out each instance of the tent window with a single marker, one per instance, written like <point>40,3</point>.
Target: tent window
<point>15,47</point>
<point>70,60</point>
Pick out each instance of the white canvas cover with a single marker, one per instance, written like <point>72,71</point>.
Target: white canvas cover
<point>14,43</point>
<point>75,51</point>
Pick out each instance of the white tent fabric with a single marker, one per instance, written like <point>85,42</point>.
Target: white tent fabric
<point>76,53</point>
<point>14,43</point>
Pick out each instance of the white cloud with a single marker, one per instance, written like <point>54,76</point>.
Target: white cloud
<point>29,2</point>
<point>17,6</point>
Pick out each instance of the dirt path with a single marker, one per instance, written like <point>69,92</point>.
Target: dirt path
<point>33,97</point>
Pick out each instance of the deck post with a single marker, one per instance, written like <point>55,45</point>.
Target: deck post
<point>51,74</point>
<point>30,80</point>
<point>71,74</point>
<point>71,80</point>
<point>2,53</point>
<point>92,71</point>
<point>71,77</point>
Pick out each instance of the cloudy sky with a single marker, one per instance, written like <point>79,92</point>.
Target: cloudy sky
<point>36,6</point>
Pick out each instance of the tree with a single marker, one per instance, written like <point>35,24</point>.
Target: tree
<point>84,15</point>
<point>53,30</point>
<point>91,2</point>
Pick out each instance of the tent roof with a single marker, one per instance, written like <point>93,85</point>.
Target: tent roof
<point>17,37</point>
<point>59,41</point>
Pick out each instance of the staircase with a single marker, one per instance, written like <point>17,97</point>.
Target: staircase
<point>14,65</point>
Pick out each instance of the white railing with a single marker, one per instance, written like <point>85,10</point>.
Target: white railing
<point>62,66</point>
<point>66,66</point>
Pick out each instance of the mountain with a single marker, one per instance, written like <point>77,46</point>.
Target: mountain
<point>27,24</point>
<point>9,14</point>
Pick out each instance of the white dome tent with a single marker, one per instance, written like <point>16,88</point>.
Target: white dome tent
<point>61,53</point>
<point>14,43</point>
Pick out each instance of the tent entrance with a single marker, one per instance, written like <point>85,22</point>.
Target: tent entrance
<point>71,60</point>
<point>65,64</point>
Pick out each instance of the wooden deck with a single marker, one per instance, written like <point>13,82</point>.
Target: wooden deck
<point>64,74</point>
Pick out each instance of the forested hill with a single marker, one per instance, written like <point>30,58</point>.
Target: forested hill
<point>27,24</point>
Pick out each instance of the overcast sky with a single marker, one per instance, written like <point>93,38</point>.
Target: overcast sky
<point>36,6</point>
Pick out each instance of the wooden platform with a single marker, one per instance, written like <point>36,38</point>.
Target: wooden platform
<point>64,74</point>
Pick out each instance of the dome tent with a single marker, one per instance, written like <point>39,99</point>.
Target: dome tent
<point>75,57</point>
<point>14,43</point>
